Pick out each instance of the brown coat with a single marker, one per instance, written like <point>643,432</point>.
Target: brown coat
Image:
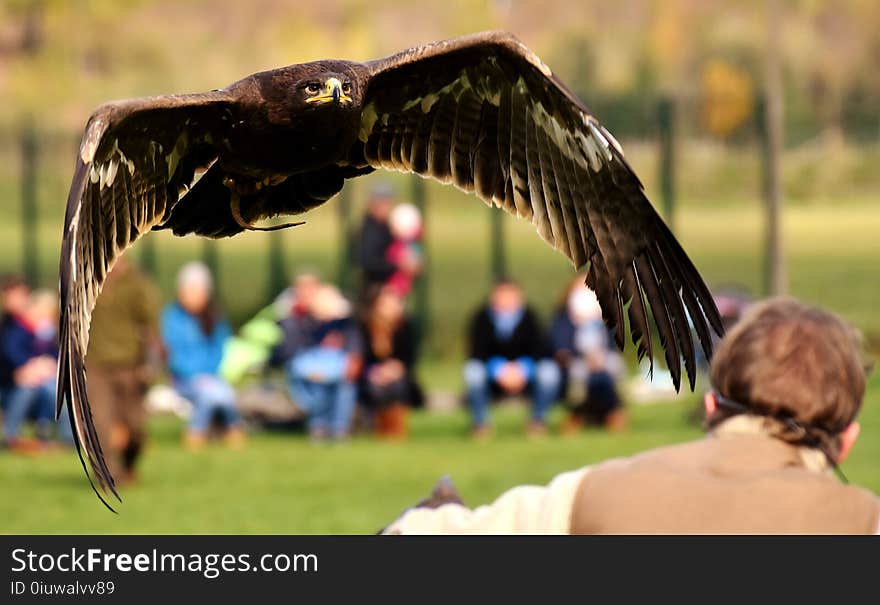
<point>126,317</point>
<point>736,480</point>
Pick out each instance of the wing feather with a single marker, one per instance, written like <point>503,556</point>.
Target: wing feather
<point>555,165</point>
<point>638,315</point>
<point>540,211</point>
<point>519,161</point>
<point>660,312</point>
<point>488,175</point>
<point>134,158</point>
<point>681,329</point>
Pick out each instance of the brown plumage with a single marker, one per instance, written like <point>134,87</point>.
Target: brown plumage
<point>481,112</point>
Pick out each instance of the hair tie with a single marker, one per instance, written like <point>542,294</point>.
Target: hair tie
<point>799,427</point>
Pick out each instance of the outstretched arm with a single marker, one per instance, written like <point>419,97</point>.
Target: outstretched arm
<point>526,509</point>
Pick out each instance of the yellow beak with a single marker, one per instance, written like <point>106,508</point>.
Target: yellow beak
<point>332,93</point>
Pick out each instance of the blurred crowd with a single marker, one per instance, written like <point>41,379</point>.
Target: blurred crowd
<point>333,365</point>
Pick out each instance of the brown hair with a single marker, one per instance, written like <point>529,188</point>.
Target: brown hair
<point>8,282</point>
<point>209,317</point>
<point>381,329</point>
<point>797,364</point>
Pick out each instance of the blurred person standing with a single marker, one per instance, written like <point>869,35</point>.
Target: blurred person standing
<point>195,333</point>
<point>508,356</point>
<point>323,363</point>
<point>788,382</point>
<point>591,365</point>
<point>124,341</point>
<point>375,240</point>
<point>388,381</point>
<point>405,251</point>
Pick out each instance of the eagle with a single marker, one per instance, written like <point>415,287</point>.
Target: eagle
<point>481,112</point>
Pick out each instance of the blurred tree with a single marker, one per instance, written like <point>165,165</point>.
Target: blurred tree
<point>776,277</point>
<point>727,98</point>
<point>32,31</point>
<point>618,56</point>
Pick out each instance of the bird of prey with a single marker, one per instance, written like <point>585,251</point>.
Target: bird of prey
<point>481,112</point>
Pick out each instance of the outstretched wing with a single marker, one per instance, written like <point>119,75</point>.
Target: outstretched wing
<point>136,160</point>
<point>484,113</point>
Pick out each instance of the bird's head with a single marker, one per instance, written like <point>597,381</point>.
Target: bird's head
<point>327,89</point>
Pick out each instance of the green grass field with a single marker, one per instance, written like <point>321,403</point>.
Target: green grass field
<point>284,484</point>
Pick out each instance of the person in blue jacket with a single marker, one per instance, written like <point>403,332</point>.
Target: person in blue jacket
<point>194,334</point>
<point>28,363</point>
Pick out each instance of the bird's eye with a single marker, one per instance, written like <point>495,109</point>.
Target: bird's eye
<point>313,88</point>
<point>346,88</point>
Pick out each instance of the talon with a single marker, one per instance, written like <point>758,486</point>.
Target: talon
<point>235,207</point>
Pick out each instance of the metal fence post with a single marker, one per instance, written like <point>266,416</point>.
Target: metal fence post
<point>29,160</point>
<point>422,311</point>
<point>496,242</point>
<point>210,258</point>
<point>148,255</point>
<point>666,115</point>
<point>346,252</point>
<point>277,272</point>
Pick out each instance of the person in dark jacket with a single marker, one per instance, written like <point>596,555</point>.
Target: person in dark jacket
<point>375,239</point>
<point>388,384</point>
<point>16,297</point>
<point>508,356</point>
<point>29,358</point>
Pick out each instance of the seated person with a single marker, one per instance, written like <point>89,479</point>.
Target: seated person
<point>787,384</point>
<point>388,383</point>
<point>507,357</point>
<point>194,334</point>
<point>591,365</point>
<point>297,324</point>
<point>29,343</point>
<point>323,363</point>
<point>293,299</point>
<point>261,340</point>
